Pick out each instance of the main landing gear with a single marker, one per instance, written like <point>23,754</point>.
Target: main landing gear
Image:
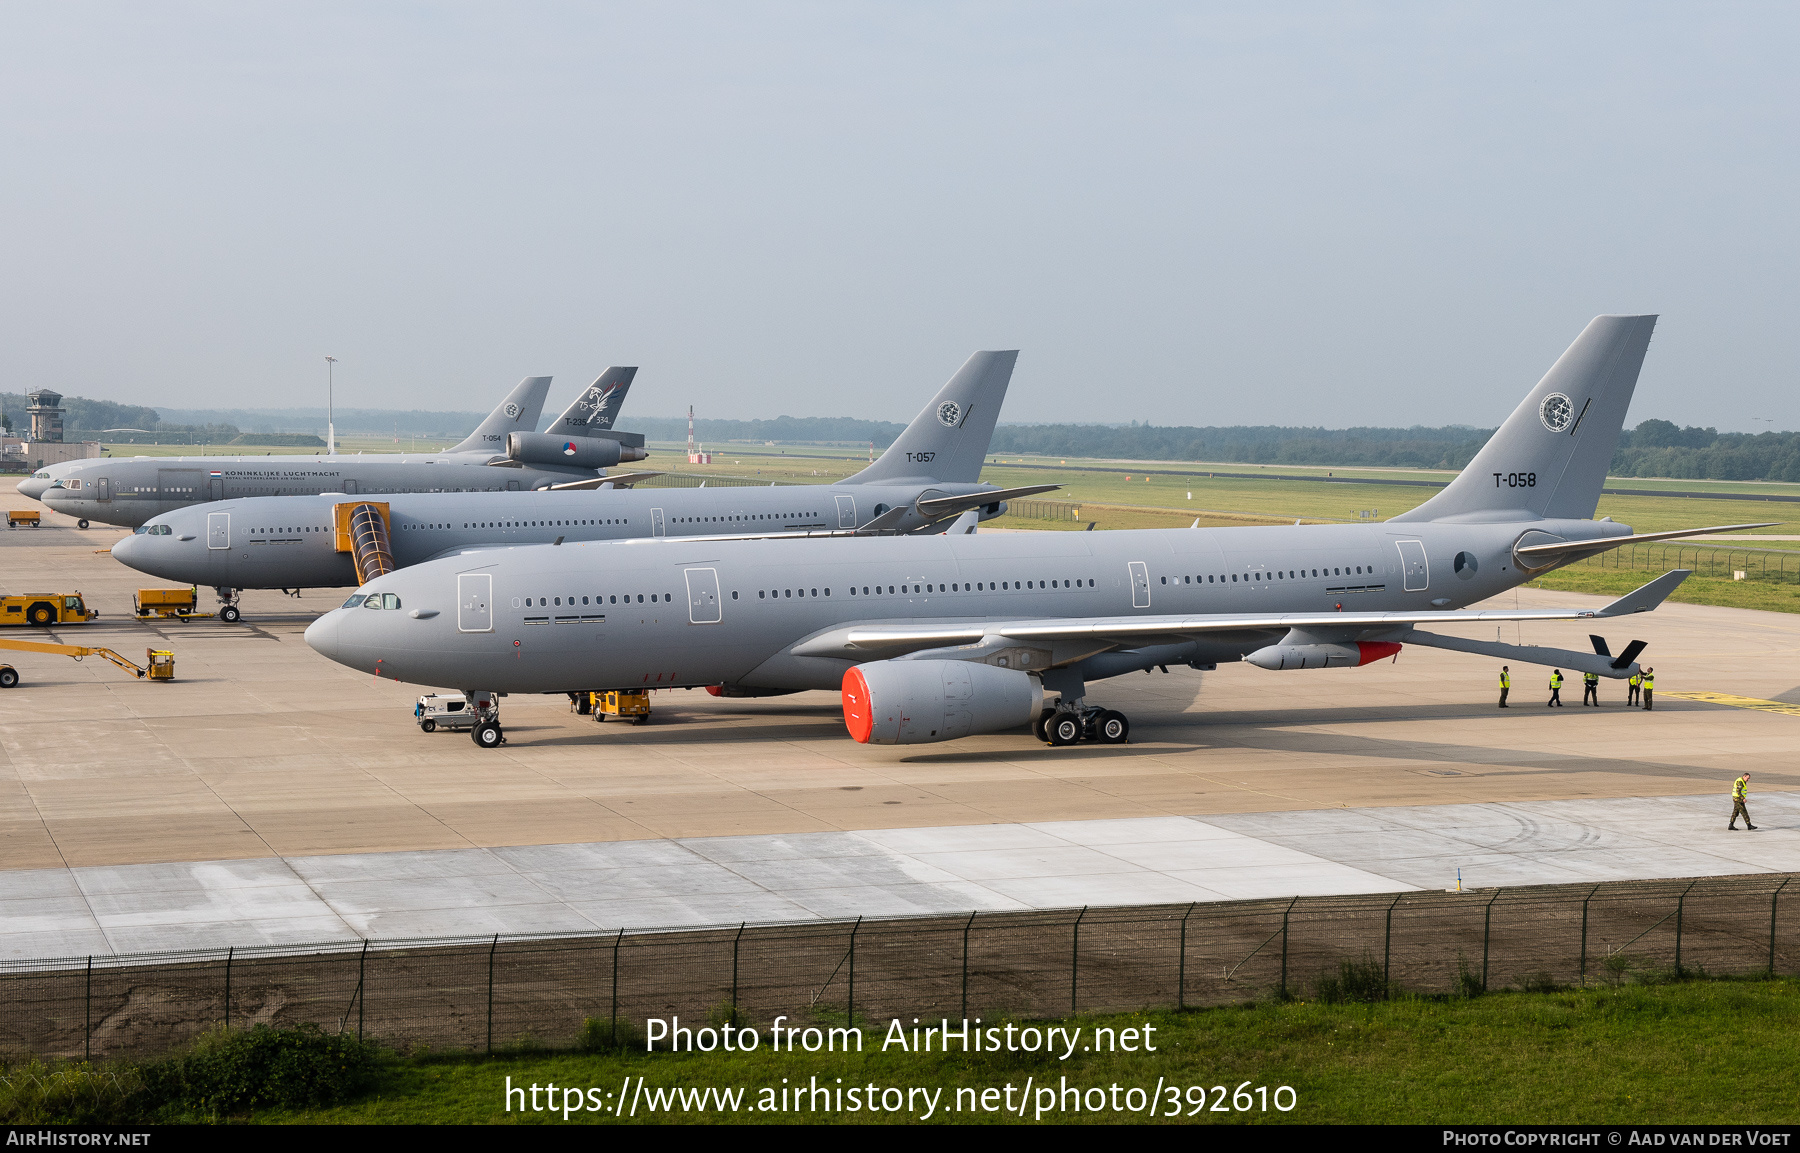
<point>1081,723</point>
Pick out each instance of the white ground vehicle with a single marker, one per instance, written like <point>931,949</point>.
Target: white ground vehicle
<point>436,711</point>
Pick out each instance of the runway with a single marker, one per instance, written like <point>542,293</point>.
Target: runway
<point>269,761</point>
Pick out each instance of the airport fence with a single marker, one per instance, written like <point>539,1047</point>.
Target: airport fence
<point>696,480</point>
<point>1763,564</point>
<point>499,992</point>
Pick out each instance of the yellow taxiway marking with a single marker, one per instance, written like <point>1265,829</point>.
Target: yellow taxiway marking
<point>1760,706</point>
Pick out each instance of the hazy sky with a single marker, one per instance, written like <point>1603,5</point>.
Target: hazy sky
<point>1188,213</point>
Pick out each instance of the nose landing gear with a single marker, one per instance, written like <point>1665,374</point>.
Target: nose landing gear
<point>228,604</point>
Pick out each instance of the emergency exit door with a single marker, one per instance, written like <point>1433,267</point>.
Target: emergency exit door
<point>475,602</point>
<point>218,530</point>
<point>703,596</point>
<point>1140,584</point>
<point>846,509</point>
<point>656,522</point>
<point>1414,569</point>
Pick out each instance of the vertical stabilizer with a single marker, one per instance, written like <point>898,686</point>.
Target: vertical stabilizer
<point>1550,457</point>
<point>519,412</point>
<point>597,406</point>
<point>949,440</point>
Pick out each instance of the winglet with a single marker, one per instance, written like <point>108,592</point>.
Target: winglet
<point>1648,597</point>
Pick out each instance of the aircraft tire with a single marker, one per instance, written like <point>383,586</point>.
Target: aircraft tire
<point>428,726</point>
<point>1063,729</point>
<point>9,677</point>
<point>1037,726</point>
<point>81,524</point>
<point>1111,728</point>
<point>487,734</point>
<point>229,614</point>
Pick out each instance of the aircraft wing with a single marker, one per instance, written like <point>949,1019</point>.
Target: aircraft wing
<point>874,641</point>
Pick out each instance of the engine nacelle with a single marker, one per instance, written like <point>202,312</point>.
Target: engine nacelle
<point>1344,656</point>
<point>921,702</point>
<point>570,452</point>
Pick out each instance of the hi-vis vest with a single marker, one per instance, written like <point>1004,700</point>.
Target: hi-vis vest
<point>1556,680</point>
<point>1590,678</point>
<point>1650,680</point>
<point>1737,789</point>
<point>1636,680</point>
<point>1505,680</point>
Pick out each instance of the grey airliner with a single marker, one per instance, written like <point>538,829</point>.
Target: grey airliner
<point>928,478</point>
<point>935,637</point>
<point>504,453</point>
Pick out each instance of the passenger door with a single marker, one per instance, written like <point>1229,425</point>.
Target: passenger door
<point>105,496</point>
<point>846,506</point>
<point>703,596</point>
<point>218,530</point>
<point>475,602</point>
<point>656,522</point>
<point>1415,570</point>
<point>1140,584</point>
<point>349,488</point>
<point>218,489</point>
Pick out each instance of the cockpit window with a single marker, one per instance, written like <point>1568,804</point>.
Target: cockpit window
<point>355,600</point>
<point>41,474</point>
<point>390,601</point>
<point>162,530</point>
<point>140,530</point>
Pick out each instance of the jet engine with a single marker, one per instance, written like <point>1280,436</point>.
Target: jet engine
<point>1344,656</point>
<point>920,702</point>
<point>570,452</point>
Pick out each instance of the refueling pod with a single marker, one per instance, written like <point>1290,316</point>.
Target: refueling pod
<point>572,452</point>
<point>904,702</point>
<point>1322,656</point>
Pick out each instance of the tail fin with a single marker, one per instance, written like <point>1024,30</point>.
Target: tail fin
<point>597,406</point>
<point>1550,457</point>
<point>948,441</point>
<point>519,412</point>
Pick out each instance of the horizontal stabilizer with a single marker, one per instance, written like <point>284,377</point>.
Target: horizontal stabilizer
<point>616,480</point>
<point>1600,645</point>
<point>1560,548</point>
<point>1630,654</point>
<point>1649,596</point>
<point>942,506</point>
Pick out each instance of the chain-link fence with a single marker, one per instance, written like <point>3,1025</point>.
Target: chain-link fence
<point>497,992</point>
<point>1764,564</point>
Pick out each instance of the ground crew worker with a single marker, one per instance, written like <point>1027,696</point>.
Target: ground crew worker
<point>1633,689</point>
<point>1739,789</point>
<point>1590,689</point>
<point>1555,689</point>
<point>1505,685</point>
<point>1649,686</point>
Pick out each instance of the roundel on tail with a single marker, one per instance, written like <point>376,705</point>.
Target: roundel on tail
<point>569,448</point>
<point>949,413</point>
<point>512,411</point>
<point>1556,412</point>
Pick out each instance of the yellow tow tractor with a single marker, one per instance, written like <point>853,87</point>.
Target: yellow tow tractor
<point>164,603</point>
<point>45,609</point>
<point>159,664</point>
<point>625,704</point>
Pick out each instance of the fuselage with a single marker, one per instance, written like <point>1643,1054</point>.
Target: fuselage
<point>750,613</point>
<point>290,542</point>
<point>129,491</point>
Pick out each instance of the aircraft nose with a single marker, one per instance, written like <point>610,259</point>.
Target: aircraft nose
<point>322,634</point>
<point>125,550</point>
<point>33,487</point>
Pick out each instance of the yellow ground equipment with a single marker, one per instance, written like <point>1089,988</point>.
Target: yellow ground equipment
<point>24,518</point>
<point>159,663</point>
<point>44,609</point>
<point>624,704</point>
<point>177,603</point>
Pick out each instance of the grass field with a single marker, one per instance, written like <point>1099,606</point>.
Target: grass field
<point>1691,1052</point>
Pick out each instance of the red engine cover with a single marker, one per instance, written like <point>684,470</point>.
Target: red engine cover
<point>859,710</point>
<point>1373,651</point>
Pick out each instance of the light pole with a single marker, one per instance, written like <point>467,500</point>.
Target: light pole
<point>330,427</point>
